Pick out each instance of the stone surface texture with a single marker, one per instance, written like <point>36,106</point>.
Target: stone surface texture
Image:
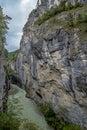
<point>3,88</point>
<point>52,65</point>
<point>3,68</point>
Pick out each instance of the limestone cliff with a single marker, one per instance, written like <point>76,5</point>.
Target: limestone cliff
<point>3,86</point>
<point>52,62</point>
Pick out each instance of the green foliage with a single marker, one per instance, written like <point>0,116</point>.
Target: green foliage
<point>50,116</point>
<point>12,118</point>
<point>77,4</point>
<point>70,20</point>
<point>3,26</point>
<point>52,12</point>
<point>69,6</point>
<point>28,125</point>
<point>10,72</point>
<point>8,122</point>
<point>54,121</point>
<point>81,18</point>
<point>85,18</point>
<point>9,119</point>
<point>72,127</point>
<point>12,56</point>
<point>64,6</point>
<point>6,53</point>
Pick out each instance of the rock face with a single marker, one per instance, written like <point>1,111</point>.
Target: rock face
<point>3,88</point>
<point>50,3</point>
<point>3,82</point>
<point>52,65</point>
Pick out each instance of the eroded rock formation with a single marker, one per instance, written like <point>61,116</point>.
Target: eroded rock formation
<point>3,87</point>
<point>52,64</point>
<point>3,77</point>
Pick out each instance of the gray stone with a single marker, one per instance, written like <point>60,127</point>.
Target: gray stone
<point>53,66</point>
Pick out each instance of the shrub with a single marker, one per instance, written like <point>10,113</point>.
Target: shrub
<point>53,120</point>
<point>69,6</point>
<point>81,18</point>
<point>52,12</point>
<point>28,125</point>
<point>11,119</point>
<point>70,20</point>
<point>72,127</point>
<point>64,6</point>
<point>50,116</point>
<point>11,72</point>
<point>85,18</point>
<point>12,56</point>
<point>77,4</point>
<point>8,121</point>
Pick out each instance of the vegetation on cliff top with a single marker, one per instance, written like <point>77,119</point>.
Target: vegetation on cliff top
<point>75,18</point>
<point>64,6</point>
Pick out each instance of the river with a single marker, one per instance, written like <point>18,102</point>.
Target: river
<point>26,107</point>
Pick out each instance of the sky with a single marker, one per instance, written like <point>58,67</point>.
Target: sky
<point>19,11</point>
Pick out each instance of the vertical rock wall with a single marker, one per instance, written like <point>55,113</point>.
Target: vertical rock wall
<point>52,65</point>
<point>3,82</point>
<point>2,76</point>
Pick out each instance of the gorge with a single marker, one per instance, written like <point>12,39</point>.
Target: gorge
<point>51,64</point>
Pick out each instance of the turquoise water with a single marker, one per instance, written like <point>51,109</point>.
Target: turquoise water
<point>28,109</point>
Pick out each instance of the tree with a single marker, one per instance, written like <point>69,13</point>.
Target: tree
<point>3,25</point>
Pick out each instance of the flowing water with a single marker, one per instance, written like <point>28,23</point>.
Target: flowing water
<point>29,108</point>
